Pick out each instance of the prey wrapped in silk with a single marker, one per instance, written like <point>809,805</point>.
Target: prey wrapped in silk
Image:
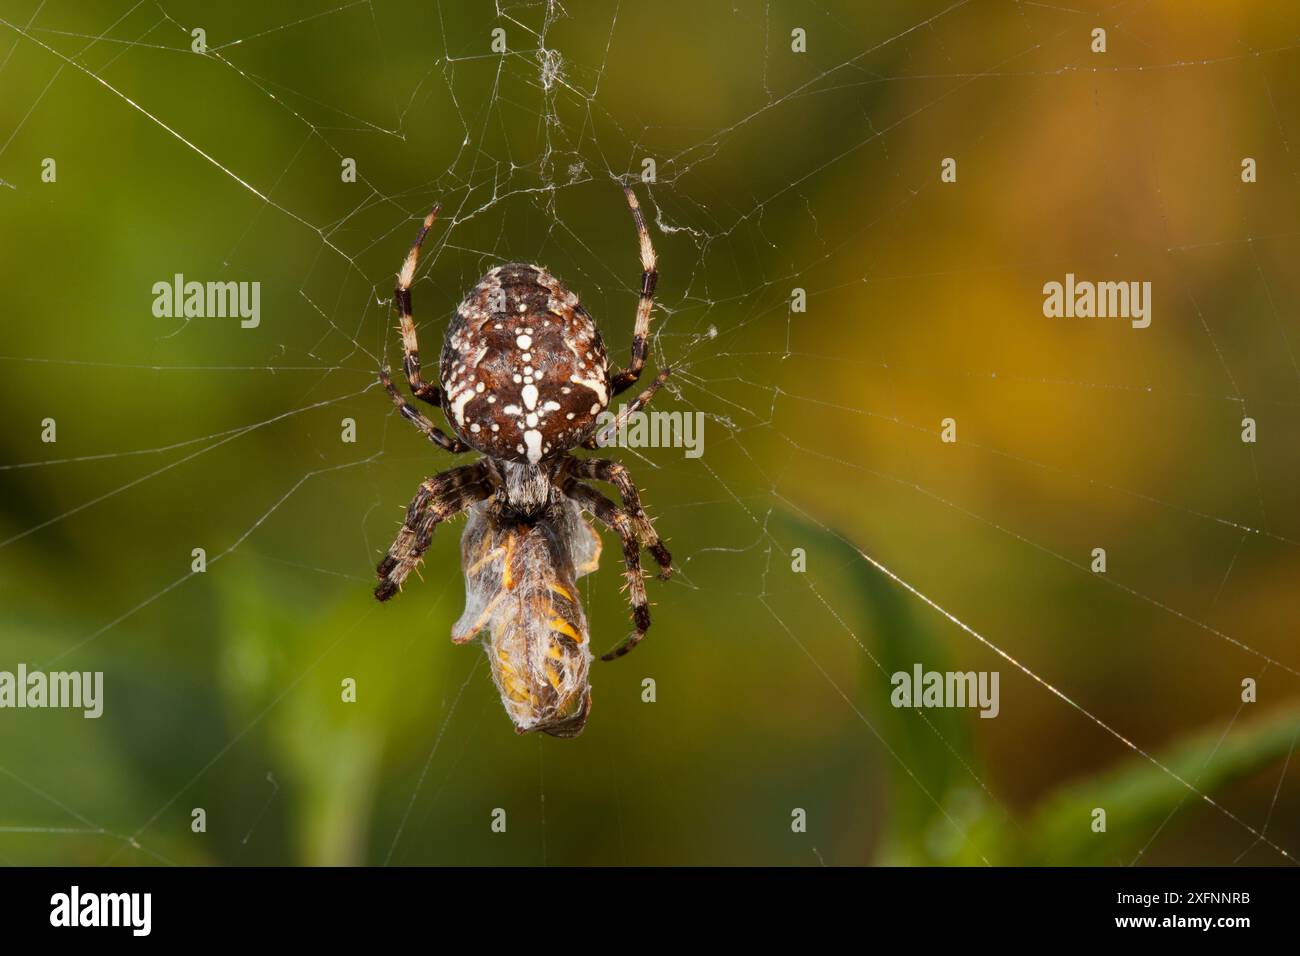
<point>521,595</point>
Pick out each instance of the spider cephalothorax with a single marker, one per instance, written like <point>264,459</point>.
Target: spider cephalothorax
<point>523,379</point>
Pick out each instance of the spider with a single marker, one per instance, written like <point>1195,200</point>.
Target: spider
<point>522,380</point>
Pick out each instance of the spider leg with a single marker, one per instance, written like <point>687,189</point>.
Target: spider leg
<point>614,518</point>
<point>439,498</point>
<point>638,403</point>
<point>603,469</point>
<point>417,418</point>
<point>402,294</point>
<point>649,278</point>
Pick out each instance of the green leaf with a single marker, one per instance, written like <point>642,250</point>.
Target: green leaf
<point>939,811</point>
<point>1140,798</point>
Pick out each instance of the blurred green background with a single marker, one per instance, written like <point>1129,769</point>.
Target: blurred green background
<point>775,170</point>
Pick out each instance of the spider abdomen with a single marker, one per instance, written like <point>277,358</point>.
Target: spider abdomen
<point>524,371</point>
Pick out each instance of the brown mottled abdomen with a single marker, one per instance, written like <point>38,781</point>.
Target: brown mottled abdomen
<point>524,371</point>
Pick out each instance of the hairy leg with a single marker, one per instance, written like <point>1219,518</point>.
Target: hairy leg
<point>612,517</point>
<point>417,418</point>
<point>638,403</point>
<point>438,499</point>
<point>649,279</point>
<point>602,469</point>
<point>402,294</point>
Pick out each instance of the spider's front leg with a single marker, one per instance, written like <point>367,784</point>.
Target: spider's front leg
<point>603,469</point>
<point>439,498</point>
<point>618,521</point>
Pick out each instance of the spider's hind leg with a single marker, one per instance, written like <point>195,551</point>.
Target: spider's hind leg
<point>422,390</point>
<point>627,411</point>
<point>649,279</point>
<point>417,418</point>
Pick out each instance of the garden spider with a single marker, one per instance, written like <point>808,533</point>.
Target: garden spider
<point>523,379</point>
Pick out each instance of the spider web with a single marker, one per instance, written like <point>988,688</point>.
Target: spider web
<point>774,170</point>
